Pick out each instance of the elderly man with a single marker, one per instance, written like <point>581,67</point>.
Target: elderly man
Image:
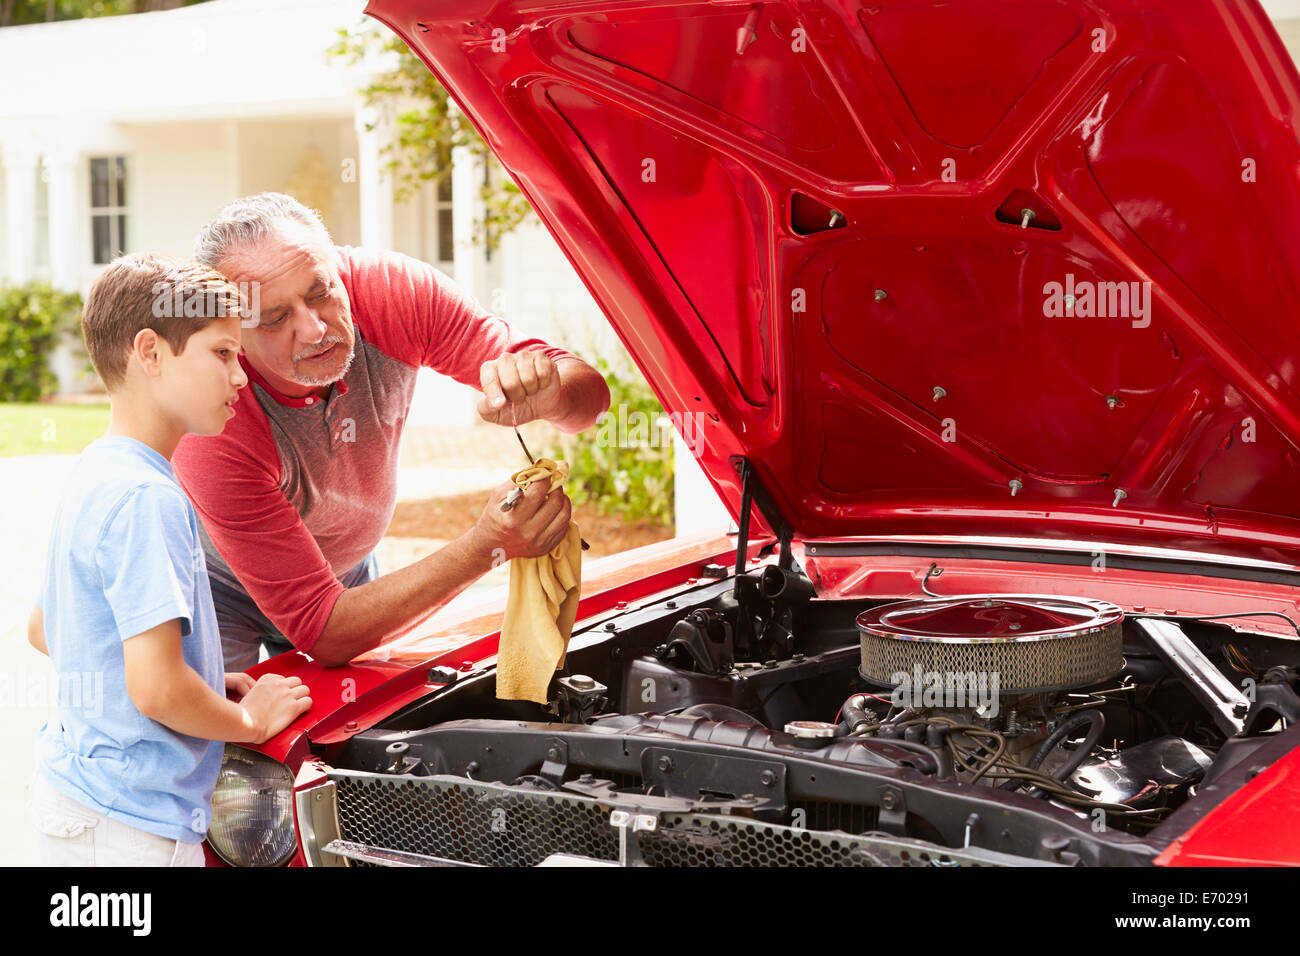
<point>300,487</point>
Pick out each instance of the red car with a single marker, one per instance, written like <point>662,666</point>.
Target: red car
<point>986,313</point>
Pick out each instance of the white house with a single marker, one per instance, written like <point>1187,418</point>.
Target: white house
<point>128,133</point>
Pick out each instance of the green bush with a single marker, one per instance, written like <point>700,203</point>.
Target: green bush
<point>625,464</point>
<point>34,318</point>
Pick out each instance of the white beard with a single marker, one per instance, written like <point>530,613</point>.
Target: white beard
<point>324,379</point>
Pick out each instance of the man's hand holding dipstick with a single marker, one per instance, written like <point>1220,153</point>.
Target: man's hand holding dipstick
<point>522,387</point>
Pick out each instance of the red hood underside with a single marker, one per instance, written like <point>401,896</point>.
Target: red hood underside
<point>815,249</point>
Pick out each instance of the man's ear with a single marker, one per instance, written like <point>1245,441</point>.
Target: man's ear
<point>146,349</point>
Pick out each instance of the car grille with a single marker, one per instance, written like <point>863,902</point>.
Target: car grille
<point>485,824</point>
<point>462,821</point>
<point>707,840</point>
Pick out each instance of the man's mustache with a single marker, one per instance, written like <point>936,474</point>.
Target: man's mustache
<point>320,348</point>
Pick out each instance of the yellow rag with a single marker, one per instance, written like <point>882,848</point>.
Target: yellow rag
<point>542,605</point>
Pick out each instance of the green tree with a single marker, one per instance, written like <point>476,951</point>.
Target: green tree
<point>427,127</point>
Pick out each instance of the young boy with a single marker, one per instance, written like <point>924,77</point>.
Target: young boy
<point>126,606</point>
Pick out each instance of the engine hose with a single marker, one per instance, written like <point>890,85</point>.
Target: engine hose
<point>1095,718</point>
<point>855,714</point>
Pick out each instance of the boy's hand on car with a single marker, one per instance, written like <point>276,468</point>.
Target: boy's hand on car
<point>273,703</point>
<point>237,684</point>
<point>165,688</point>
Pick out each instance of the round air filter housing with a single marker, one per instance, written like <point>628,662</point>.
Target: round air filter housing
<point>1033,642</point>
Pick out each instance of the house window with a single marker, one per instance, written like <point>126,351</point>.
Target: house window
<point>42,215</point>
<point>108,207</point>
<point>446,235</point>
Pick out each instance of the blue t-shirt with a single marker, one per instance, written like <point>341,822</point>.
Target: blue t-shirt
<point>125,556</point>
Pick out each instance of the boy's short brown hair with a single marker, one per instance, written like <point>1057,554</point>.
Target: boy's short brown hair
<point>174,297</point>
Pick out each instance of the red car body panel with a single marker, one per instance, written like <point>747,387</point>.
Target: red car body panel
<point>1253,827</point>
<point>898,577</point>
<point>694,188</point>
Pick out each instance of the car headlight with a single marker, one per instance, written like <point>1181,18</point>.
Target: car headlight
<point>252,810</point>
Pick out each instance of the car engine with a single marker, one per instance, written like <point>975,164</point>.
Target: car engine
<point>746,722</point>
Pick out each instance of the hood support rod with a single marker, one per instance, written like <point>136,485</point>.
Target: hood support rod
<point>752,492</point>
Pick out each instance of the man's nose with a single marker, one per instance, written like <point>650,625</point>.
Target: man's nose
<point>309,328</point>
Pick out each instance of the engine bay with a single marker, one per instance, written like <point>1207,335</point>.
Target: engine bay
<point>986,728</point>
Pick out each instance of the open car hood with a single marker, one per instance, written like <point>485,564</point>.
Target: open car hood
<point>818,248</point>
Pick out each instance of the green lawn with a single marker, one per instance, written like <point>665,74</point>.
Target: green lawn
<point>50,429</point>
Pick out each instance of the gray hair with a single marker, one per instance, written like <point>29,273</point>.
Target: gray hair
<point>250,220</point>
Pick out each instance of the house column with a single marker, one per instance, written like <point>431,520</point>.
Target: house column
<point>466,255</point>
<point>375,187</point>
<point>20,209</point>
<point>61,168</point>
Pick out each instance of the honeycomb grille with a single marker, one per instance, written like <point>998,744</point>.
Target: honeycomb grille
<point>495,825</point>
<point>699,840</point>
<point>1021,666</point>
<point>472,823</point>
<point>707,840</point>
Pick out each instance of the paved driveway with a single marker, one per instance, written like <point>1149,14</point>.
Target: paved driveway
<point>29,492</point>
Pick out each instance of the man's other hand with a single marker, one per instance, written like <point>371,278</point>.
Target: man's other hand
<point>535,526</point>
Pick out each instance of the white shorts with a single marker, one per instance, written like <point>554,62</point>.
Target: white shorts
<point>69,833</point>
